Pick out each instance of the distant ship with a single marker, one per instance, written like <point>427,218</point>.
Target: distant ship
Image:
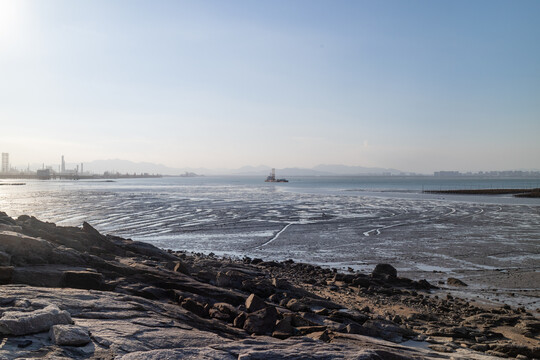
<point>272,177</point>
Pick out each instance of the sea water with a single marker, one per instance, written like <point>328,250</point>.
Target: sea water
<point>343,222</point>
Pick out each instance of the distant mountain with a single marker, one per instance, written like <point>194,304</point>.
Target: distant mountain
<point>126,166</point>
<point>252,170</point>
<point>355,170</point>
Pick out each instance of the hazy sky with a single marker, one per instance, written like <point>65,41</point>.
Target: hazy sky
<point>413,85</point>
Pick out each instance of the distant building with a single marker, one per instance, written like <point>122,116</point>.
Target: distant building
<point>5,162</point>
<point>44,174</point>
<point>63,168</point>
<point>446,173</point>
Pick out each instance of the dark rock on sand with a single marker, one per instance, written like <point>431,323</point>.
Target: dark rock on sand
<point>254,303</point>
<point>262,321</point>
<point>455,282</point>
<point>384,270</point>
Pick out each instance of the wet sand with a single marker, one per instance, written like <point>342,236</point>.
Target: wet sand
<point>491,243</point>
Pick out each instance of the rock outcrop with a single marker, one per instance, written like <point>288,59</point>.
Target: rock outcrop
<point>75,293</point>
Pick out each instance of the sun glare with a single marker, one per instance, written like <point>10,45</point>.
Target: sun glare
<point>10,16</point>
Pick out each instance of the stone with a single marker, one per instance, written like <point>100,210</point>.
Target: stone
<point>296,305</point>
<point>261,322</point>
<point>40,275</point>
<point>25,249</point>
<point>5,259</point>
<point>216,314</point>
<point>384,270</point>
<point>71,335</point>
<point>180,267</point>
<point>261,287</point>
<point>192,353</point>
<point>455,282</point>
<point>441,348</point>
<point>305,330</point>
<point>254,303</point>
<point>280,283</point>
<point>6,274</point>
<point>239,321</point>
<point>231,278</point>
<point>82,280</point>
<point>387,330</point>
<point>284,328</point>
<point>22,323</point>
<point>195,307</point>
<point>227,311</point>
<point>155,293</point>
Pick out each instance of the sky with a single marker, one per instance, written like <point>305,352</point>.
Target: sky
<point>413,85</point>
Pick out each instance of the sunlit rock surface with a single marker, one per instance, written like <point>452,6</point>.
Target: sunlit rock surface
<point>75,293</point>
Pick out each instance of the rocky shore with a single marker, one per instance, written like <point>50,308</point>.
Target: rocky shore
<point>73,293</point>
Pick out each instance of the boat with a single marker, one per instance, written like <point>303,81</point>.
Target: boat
<point>272,178</point>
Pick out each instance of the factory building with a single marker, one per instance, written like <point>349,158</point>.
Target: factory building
<point>5,163</point>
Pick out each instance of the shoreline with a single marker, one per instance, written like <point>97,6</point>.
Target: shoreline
<point>529,193</point>
<point>131,300</point>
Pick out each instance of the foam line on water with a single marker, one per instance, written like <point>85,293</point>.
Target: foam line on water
<point>277,235</point>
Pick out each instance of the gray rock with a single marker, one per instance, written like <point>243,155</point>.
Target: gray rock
<point>25,249</point>
<point>185,354</point>
<point>22,323</point>
<point>40,275</point>
<point>71,335</point>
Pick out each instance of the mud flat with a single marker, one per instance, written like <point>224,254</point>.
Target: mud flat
<point>73,293</point>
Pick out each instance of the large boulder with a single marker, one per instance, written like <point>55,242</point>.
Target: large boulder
<point>41,275</point>
<point>5,259</point>
<point>262,321</point>
<point>384,271</point>
<point>22,323</point>
<point>231,279</point>
<point>70,335</point>
<point>254,303</point>
<point>181,267</point>
<point>25,249</point>
<point>6,274</point>
<point>83,280</point>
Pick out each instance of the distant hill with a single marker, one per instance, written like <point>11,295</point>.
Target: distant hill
<point>355,170</point>
<point>126,166</point>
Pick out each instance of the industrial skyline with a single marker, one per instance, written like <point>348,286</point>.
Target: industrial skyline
<point>62,171</point>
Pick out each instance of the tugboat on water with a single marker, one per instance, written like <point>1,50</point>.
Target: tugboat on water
<point>272,178</point>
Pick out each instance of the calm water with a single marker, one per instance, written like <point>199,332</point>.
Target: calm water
<point>337,221</point>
